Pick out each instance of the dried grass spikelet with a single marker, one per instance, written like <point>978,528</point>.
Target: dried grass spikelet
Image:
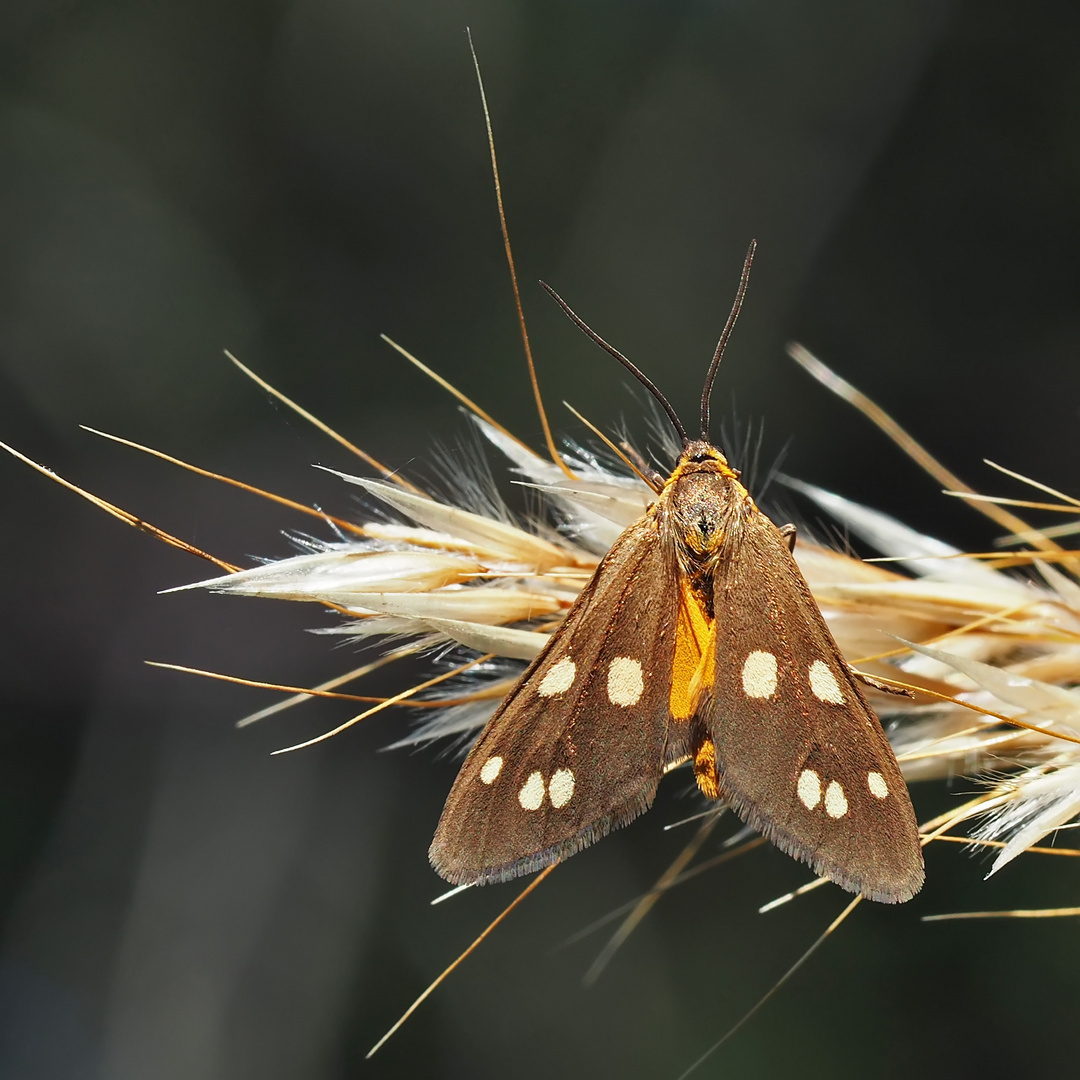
<point>973,633</point>
<point>978,632</point>
<point>481,591</point>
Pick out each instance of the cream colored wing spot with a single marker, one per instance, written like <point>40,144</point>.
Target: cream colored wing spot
<point>823,683</point>
<point>559,678</point>
<point>531,795</point>
<point>490,770</point>
<point>809,788</point>
<point>759,675</point>
<point>625,684</point>
<point>876,783</point>
<point>835,801</point>
<point>561,788</point>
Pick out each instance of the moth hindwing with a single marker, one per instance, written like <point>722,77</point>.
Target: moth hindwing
<point>697,638</point>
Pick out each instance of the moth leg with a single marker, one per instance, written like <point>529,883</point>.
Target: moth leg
<point>646,469</point>
<point>884,687</point>
<point>788,533</point>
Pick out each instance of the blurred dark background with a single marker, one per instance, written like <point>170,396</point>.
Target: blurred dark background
<point>288,180</point>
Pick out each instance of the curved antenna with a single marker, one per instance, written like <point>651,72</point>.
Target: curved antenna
<point>629,365</point>
<point>706,393</point>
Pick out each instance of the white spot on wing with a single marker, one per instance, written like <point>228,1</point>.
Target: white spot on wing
<point>876,783</point>
<point>559,678</point>
<point>531,795</point>
<point>561,788</point>
<point>835,801</point>
<point>624,682</point>
<point>759,675</point>
<point>823,683</point>
<point>809,788</point>
<point>491,769</point>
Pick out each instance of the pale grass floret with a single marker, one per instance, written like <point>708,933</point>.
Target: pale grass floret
<point>473,578</point>
<point>962,631</point>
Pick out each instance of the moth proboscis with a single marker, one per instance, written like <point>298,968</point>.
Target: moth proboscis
<point>697,639</point>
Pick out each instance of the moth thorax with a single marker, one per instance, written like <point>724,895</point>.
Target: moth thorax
<point>701,506</point>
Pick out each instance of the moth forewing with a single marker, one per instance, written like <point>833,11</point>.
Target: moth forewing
<point>799,754</point>
<point>577,747</point>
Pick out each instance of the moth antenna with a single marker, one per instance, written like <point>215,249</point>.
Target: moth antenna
<point>826,933</point>
<point>548,438</point>
<point>733,315</point>
<point>378,466</point>
<point>472,948</point>
<point>629,365</point>
<point>385,704</point>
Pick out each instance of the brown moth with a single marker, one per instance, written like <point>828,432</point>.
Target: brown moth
<point>696,639</point>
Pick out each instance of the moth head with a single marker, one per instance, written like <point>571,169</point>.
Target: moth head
<point>702,452</point>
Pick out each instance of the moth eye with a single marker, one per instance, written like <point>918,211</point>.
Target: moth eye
<point>835,801</point>
<point>531,795</point>
<point>625,684</point>
<point>559,678</point>
<point>759,675</point>
<point>490,770</point>
<point>823,683</point>
<point>876,783</point>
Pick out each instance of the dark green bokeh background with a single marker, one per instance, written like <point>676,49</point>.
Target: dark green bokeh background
<point>288,180</point>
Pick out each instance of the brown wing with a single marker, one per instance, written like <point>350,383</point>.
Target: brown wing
<point>577,747</point>
<point>800,756</point>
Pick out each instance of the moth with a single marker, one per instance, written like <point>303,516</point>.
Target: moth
<point>697,639</point>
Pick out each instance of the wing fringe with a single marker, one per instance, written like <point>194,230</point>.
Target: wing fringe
<point>788,844</point>
<point>596,830</point>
